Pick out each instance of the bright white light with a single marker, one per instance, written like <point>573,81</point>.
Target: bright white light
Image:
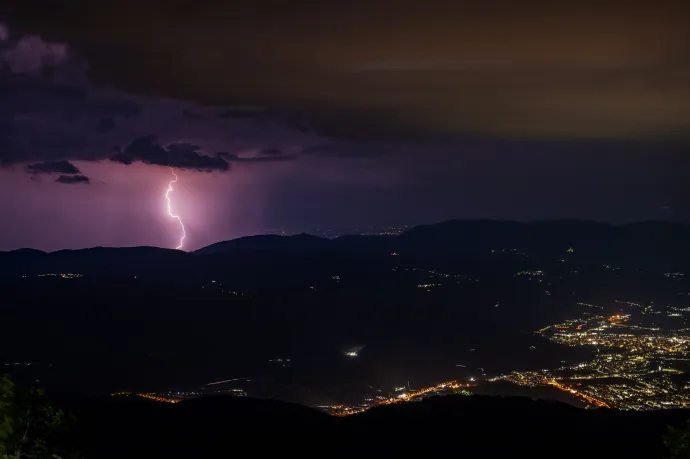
<point>167,196</point>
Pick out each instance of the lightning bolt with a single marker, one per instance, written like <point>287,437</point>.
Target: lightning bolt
<point>167,196</point>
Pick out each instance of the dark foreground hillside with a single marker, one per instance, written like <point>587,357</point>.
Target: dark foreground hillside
<point>456,426</point>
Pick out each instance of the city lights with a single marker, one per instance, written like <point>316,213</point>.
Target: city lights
<point>634,365</point>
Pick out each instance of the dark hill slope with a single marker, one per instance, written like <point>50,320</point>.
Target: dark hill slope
<point>657,246</point>
<point>460,426</point>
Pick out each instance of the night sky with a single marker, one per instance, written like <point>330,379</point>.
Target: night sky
<point>321,114</point>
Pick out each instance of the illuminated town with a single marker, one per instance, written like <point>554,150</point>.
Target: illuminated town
<point>635,352</point>
<point>638,351</point>
<point>62,275</point>
<point>636,363</point>
<point>399,395</point>
<point>175,397</point>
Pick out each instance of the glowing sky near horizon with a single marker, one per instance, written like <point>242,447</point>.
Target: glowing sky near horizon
<point>302,118</point>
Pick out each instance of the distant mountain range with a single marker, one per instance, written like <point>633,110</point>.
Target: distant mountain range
<point>478,236</point>
<point>650,245</point>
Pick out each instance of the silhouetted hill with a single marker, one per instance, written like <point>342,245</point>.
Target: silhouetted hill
<point>478,426</point>
<point>202,428</point>
<point>655,244</point>
<point>660,246</point>
<point>643,239</point>
<point>125,261</point>
<point>268,242</point>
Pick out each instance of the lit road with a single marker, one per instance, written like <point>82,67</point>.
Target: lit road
<point>405,397</point>
<point>577,393</point>
<point>154,397</point>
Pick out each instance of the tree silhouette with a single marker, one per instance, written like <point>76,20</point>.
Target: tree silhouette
<point>30,426</point>
<point>677,441</point>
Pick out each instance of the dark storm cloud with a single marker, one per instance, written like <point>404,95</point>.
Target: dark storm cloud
<point>48,106</point>
<point>28,138</point>
<point>44,118</point>
<point>105,125</point>
<point>262,158</point>
<point>566,69</point>
<point>50,110</point>
<point>351,125</point>
<point>39,76</point>
<point>182,155</point>
<point>341,129</point>
<point>49,167</point>
<point>6,128</point>
<point>186,113</point>
<point>245,112</point>
<point>72,179</point>
<point>30,94</point>
<point>352,149</point>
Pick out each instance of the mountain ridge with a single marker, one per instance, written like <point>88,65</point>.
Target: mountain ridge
<point>648,245</point>
<point>252,240</point>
